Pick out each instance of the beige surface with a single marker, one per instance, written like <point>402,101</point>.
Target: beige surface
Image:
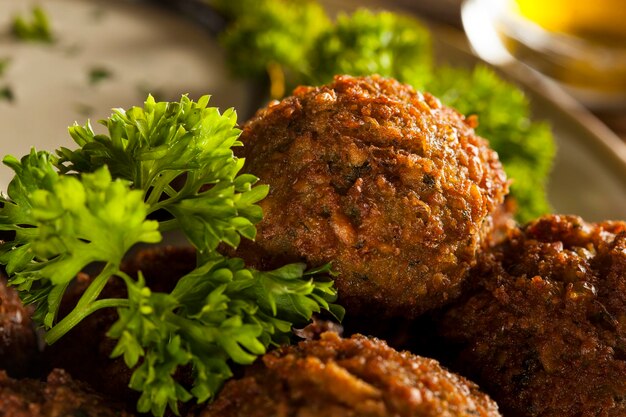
<point>144,48</point>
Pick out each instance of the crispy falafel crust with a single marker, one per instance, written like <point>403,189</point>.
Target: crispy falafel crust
<point>360,376</point>
<point>544,332</point>
<point>392,187</point>
<point>19,354</point>
<point>59,396</point>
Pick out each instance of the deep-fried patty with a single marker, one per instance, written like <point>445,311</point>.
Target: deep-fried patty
<point>356,377</point>
<point>18,343</point>
<point>386,183</point>
<point>59,396</point>
<point>544,331</point>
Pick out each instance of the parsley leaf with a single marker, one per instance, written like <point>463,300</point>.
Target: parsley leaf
<point>218,313</point>
<point>92,204</point>
<point>63,224</point>
<point>272,38</point>
<point>165,143</point>
<point>36,29</point>
<point>365,43</point>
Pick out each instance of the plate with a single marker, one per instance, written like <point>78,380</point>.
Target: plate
<point>141,47</point>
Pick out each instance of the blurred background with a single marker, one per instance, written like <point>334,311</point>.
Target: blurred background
<point>579,44</point>
<point>546,79</point>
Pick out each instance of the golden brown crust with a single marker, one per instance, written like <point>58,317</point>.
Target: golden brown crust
<point>18,343</point>
<point>392,187</point>
<point>545,329</point>
<point>360,376</point>
<point>59,396</point>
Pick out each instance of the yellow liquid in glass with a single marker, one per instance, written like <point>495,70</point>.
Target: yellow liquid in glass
<point>602,21</point>
<point>599,65</point>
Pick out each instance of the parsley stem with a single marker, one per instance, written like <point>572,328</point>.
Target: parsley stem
<point>78,314</point>
<point>200,335</point>
<point>97,285</point>
<point>158,187</point>
<point>87,304</point>
<point>169,225</point>
<point>161,204</point>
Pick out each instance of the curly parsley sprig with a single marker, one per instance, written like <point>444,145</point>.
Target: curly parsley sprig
<point>62,224</point>
<point>365,43</point>
<point>163,143</point>
<point>93,204</point>
<point>220,312</point>
<point>35,27</point>
<point>280,34</point>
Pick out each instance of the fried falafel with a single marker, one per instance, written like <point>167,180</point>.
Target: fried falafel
<point>386,183</point>
<point>59,396</point>
<point>360,376</point>
<point>19,352</point>
<point>544,330</point>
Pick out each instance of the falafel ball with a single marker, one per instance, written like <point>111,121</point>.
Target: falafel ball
<point>19,353</point>
<point>59,396</point>
<point>360,376</point>
<point>544,332</point>
<point>386,183</point>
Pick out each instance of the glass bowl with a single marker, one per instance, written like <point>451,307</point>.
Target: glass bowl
<point>588,59</point>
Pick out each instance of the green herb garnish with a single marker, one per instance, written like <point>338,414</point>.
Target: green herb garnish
<point>92,204</point>
<point>398,46</point>
<point>4,63</point>
<point>35,28</point>
<point>272,38</point>
<point>99,74</point>
<point>366,43</point>
<point>6,94</point>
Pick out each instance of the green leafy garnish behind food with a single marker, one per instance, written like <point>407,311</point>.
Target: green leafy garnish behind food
<point>35,27</point>
<point>526,148</point>
<point>398,46</point>
<point>280,32</point>
<point>91,205</point>
<point>365,43</point>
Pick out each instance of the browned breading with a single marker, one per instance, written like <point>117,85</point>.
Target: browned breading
<point>59,396</point>
<point>360,376</point>
<point>18,343</point>
<point>544,332</point>
<point>392,187</point>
